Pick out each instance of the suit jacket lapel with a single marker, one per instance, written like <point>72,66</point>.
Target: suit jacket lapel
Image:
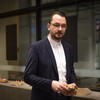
<point>50,52</point>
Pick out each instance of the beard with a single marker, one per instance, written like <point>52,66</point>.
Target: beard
<point>57,35</point>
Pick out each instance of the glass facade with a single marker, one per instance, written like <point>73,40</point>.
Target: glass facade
<point>12,5</point>
<point>87,65</point>
<point>97,29</point>
<point>44,21</point>
<point>88,27</point>
<point>26,34</point>
<point>47,1</point>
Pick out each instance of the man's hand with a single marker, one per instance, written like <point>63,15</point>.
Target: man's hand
<point>63,88</point>
<point>58,87</point>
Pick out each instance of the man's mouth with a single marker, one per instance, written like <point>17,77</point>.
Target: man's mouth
<point>59,33</point>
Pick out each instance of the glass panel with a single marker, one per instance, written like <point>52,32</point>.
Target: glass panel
<point>26,3</point>
<point>26,34</point>
<point>33,2</point>
<point>97,34</point>
<point>97,22</point>
<point>33,28</point>
<point>58,1</point>
<point>47,1</point>
<point>11,5</point>
<point>88,28</point>
<point>44,21</point>
<point>88,48</point>
<point>88,65</point>
<point>69,11</point>
<point>8,5</point>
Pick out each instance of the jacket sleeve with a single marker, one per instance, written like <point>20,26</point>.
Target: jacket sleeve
<point>31,72</point>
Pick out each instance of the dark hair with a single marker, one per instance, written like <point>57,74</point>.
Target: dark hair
<point>56,12</point>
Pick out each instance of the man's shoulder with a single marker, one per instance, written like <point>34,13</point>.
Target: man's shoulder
<point>40,42</point>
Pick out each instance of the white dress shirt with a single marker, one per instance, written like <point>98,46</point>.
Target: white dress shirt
<point>60,59</point>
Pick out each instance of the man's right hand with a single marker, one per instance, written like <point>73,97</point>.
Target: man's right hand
<point>61,88</point>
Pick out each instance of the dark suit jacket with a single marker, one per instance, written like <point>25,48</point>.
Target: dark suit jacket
<point>41,69</point>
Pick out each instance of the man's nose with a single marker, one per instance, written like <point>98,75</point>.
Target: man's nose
<point>60,28</point>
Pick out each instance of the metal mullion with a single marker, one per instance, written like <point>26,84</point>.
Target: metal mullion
<point>38,20</point>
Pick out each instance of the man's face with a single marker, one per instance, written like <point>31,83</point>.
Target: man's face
<point>57,27</point>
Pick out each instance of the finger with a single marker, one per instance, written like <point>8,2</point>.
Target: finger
<point>74,85</point>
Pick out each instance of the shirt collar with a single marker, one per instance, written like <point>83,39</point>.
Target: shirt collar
<point>53,42</point>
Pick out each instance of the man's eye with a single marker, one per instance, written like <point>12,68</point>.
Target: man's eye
<point>63,26</point>
<point>56,25</point>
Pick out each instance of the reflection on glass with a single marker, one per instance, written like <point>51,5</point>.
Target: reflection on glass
<point>44,21</point>
<point>47,1</point>
<point>26,3</point>
<point>85,67</point>
<point>11,5</point>
<point>88,66</point>
<point>26,34</point>
<point>33,28</point>
<point>33,2</point>
<point>97,43</point>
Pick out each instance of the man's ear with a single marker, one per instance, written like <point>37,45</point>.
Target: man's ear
<point>48,26</point>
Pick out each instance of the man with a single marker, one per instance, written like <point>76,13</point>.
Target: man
<point>49,64</point>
